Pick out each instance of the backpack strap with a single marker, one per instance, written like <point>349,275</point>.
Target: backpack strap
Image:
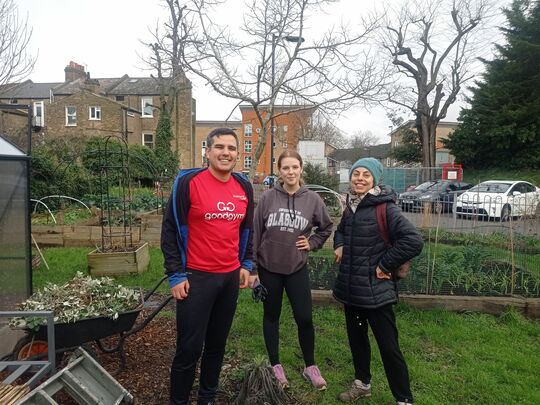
<point>381,221</point>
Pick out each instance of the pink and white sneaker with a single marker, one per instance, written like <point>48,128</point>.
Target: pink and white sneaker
<point>313,375</point>
<point>279,373</point>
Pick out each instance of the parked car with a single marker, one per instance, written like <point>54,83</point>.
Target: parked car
<point>270,180</point>
<point>437,195</point>
<point>499,199</point>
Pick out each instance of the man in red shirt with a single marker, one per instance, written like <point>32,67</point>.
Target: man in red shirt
<point>206,244</point>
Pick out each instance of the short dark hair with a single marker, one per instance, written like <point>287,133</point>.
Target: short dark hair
<point>219,132</point>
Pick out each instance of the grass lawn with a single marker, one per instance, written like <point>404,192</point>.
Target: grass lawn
<point>453,358</point>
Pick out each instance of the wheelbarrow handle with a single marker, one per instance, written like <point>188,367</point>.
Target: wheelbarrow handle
<point>153,290</point>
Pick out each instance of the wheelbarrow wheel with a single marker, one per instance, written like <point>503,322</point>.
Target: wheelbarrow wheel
<point>28,347</point>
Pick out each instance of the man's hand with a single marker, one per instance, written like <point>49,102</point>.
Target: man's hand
<point>180,291</point>
<point>382,275</point>
<point>244,277</point>
<point>252,280</point>
<point>338,254</point>
<point>303,243</point>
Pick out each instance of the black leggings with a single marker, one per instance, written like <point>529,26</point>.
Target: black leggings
<point>203,319</point>
<point>299,292</point>
<point>383,324</point>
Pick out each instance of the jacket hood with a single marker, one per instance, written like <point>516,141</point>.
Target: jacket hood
<point>279,187</point>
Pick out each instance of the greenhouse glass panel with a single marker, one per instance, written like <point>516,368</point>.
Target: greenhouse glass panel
<point>14,229</point>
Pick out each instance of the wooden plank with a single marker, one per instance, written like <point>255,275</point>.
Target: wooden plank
<point>530,307</point>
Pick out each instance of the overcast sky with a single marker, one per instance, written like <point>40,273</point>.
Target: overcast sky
<point>105,35</point>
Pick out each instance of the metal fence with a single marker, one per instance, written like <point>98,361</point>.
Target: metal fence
<point>464,254</point>
<point>400,178</point>
<point>465,257</point>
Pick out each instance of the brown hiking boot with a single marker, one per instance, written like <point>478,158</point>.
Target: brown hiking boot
<point>357,390</point>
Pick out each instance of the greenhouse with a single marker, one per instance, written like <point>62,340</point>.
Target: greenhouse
<point>15,255</point>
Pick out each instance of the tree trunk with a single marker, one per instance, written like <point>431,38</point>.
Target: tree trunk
<point>427,129</point>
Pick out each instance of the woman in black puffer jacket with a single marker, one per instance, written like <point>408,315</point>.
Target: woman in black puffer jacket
<point>365,284</point>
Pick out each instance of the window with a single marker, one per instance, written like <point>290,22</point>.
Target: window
<point>94,113</point>
<point>247,146</point>
<point>147,107</point>
<point>119,98</point>
<point>203,144</point>
<point>39,114</point>
<point>247,162</point>
<point>274,144</point>
<point>285,143</point>
<point>248,130</point>
<point>528,188</point>
<point>285,128</point>
<point>71,116</point>
<point>148,140</point>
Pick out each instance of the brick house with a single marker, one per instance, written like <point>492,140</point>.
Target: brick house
<point>442,154</point>
<point>291,126</point>
<point>125,106</point>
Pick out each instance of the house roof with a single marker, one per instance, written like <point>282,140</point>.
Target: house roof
<point>280,107</point>
<point>410,124</point>
<point>348,155</point>
<point>8,149</point>
<point>124,85</point>
<point>28,89</point>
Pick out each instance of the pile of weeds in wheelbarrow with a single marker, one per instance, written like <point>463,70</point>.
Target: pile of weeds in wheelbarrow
<point>83,297</point>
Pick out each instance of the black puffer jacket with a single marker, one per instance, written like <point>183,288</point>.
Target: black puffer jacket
<point>364,249</point>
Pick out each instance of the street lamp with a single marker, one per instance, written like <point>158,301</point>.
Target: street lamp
<point>275,37</point>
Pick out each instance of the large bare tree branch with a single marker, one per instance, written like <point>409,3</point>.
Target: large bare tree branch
<point>15,34</point>
<point>262,64</point>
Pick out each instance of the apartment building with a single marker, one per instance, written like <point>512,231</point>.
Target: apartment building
<point>124,106</point>
<point>291,123</point>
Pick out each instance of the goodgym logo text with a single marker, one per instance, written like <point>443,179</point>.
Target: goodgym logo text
<point>225,211</point>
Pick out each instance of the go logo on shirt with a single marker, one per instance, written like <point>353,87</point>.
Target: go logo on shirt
<point>225,211</point>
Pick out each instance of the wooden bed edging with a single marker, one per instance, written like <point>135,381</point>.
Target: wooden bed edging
<point>530,307</point>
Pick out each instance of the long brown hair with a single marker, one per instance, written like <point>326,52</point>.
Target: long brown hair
<point>289,153</point>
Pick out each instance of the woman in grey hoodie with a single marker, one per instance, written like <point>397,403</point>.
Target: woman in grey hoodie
<point>284,220</point>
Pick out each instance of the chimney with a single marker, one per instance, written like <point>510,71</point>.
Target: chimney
<point>74,71</point>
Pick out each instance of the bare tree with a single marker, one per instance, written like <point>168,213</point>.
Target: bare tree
<point>321,128</point>
<point>269,63</point>
<point>15,63</point>
<point>362,139</point>
<point>167,53</point>
<point>431,43</point>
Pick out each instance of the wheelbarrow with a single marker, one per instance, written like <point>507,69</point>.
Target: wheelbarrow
<point>69,336</point>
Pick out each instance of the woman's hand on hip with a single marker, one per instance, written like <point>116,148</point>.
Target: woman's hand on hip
<point>382,275</point>
<point>338,254</point>
<point>303,243</point>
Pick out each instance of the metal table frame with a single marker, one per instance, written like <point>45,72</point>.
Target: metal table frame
<point>41,368</point>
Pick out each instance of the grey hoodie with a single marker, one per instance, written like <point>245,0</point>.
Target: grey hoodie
<point>280,219</point>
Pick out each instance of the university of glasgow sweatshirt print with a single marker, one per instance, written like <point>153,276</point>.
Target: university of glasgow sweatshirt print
<point>280,218</point>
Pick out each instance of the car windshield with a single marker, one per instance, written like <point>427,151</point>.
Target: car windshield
<point>490,188</point>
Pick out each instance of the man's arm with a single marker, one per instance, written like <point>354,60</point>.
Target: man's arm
<point>174,266</point>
